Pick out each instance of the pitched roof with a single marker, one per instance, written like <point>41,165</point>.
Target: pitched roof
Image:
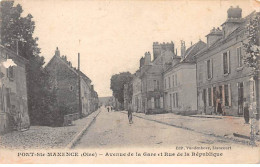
<point>73,69</point>
<point>193,50</point>
<point>239,29</point>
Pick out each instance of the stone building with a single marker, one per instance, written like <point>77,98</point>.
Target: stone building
<point>222,77</point>
<point>13,91</point>
<point>151,75</point>
<point>65,79</point>
<point>180,90</point>
<point>137,93</point>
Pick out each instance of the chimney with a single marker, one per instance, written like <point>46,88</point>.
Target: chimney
<point>213,36</point>
<point>147,58</point>
<point>141,62</point>
<point>156,50</point>
<point>57,52</point>
<point>183,49</point>
<point>234,19</point>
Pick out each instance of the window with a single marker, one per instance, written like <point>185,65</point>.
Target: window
<point>152,101</point>
<point>165,83</point>
<point>173,100</point>
<point>10,72</point>
<point>177,101</point>
<point>169,81</point>
<point>226,62</point>
<point>161,101</point>
<point>155,85</point>
<point>170,101</point>
<point>209,97</point>
<point>71,88</point>
<point>227,95</point>
<point>239,57</point>
<point>209,68</point>
<point>173,81</point>
<point>220,93</point>
<point>157,102</point>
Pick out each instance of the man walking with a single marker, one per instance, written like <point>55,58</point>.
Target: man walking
<point>130,116</point>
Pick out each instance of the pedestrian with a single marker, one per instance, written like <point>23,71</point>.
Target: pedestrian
<point>130,116</point>
<point>246,113</point>
<point>219,107</point>
<point>111,108</point>
<point>108,108</point>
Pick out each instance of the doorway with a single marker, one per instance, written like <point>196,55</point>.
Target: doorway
<point>240,98</point>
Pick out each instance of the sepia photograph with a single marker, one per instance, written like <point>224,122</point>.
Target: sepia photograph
<point>129,82</point>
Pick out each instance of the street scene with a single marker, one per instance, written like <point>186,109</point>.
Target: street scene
<point>111,129</point>
<point>77,78</point>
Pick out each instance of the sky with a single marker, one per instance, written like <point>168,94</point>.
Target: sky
<point>111,36</point>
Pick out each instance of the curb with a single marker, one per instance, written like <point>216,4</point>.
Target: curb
<point>245,142</point>
<point>74,141</point>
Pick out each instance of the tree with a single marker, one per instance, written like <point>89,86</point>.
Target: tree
<point>251,59</point>
<point>17,35</point>
<point>117,83</point>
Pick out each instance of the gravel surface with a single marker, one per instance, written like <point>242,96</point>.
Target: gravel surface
<point>38,137</point>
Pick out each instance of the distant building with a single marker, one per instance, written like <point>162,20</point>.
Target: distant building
<point>65,79</point>
<point>13,92</point>
<point>222,78</point>
<point>151,75</point>
<point>180,90</point>
<point>137,92</point>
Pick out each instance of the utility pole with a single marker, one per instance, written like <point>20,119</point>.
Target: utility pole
<point>80,102</point>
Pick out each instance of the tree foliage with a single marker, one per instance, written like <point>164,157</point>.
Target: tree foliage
<point>117,83</point>
<point>252,45</point>
<point>18,31</point>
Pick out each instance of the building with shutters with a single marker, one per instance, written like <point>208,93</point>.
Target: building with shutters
<point>137,93</point>
<point>13,92</point>
<point>151,76</point>
<point>180,89</point>
<point>222,78</point>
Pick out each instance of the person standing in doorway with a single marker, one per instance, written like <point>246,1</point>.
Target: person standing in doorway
<point>219,106</point>
<point>246,113</point>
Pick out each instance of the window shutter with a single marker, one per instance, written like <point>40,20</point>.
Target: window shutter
<point>212,101</point>
<point>207,96</point>
<point>223,94</point>
<point>176,79</point>
<point>223,62</point>
<point>228,61</point>
<point>161,102</point>
<point>152,101</point>
<point>211,68</point>
<point>229,94</point>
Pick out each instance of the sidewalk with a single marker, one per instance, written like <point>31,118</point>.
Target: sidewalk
<point>218,126</point>
<point>39,137</point>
